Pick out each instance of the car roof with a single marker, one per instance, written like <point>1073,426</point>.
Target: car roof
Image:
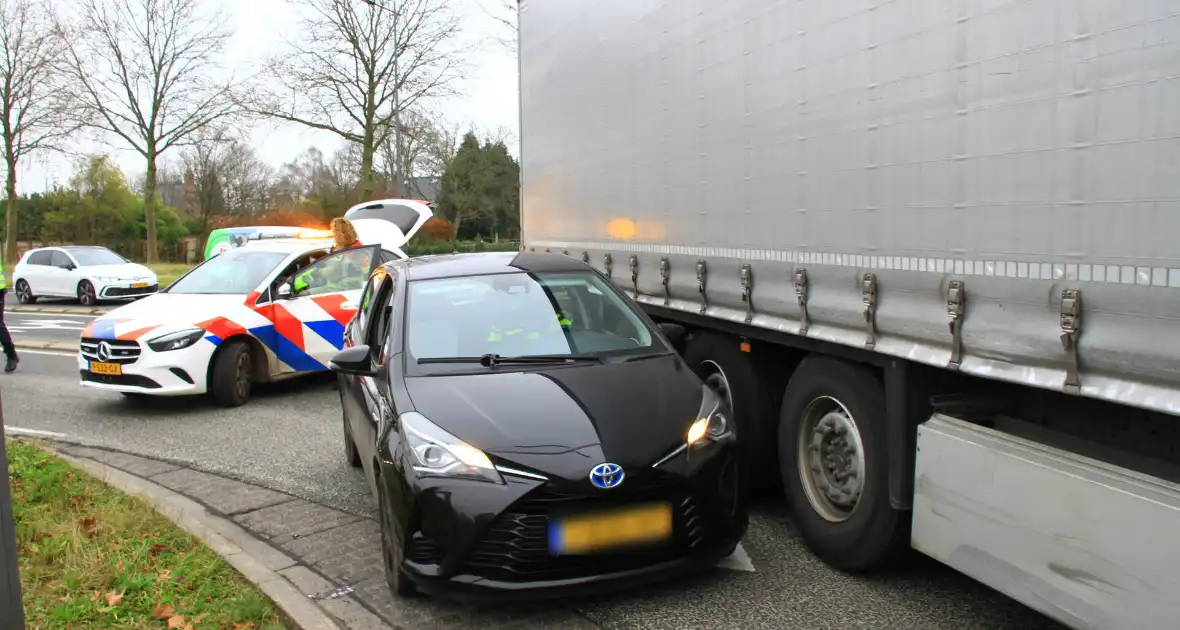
<point>459,265</point>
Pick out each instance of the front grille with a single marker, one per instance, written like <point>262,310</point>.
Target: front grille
<point>129,292</point>
<point>133,380</point>
<point>123,352</point>
<point>516,546</point>
<point>423,550</point>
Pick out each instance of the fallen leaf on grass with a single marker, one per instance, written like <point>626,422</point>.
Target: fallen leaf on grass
<point>164,576</point>
<point>176,621</point>
<point>113,599</point>
<point>245,625</point>
<point>157,548</point>
<point>119,565</point>
<point>198,618</point>
<point>163,611</point>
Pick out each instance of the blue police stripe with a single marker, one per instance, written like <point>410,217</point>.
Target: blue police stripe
<point>213,339</point>
<point>103,329</point>
<point>331,330</point>
<point>286,351</point>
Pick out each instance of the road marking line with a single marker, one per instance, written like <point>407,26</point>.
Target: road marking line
<point>33,432</point>
<point>739,560</point>
<point>51,314</point>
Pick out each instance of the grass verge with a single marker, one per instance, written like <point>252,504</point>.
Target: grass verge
<point>167,273</point>
<point>94,557</point>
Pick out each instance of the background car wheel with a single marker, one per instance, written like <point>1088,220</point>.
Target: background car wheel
<point>350,453</point>
<point>734,375</point>
<point>232,377</point>
<point>24,293</point>
<point>86,294</point>
<point>832,452</point>
<point>391,550</point>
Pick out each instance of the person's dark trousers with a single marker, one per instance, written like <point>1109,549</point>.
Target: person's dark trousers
<point>6,337</point>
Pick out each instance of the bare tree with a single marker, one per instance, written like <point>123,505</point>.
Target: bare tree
<point>428,145</point>
<point>357,67</point>
<point>506,15</point>
<point>31,109</point>
<point>145,71</point>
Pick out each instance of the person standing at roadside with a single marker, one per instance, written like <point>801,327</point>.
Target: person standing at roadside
<point>5,336</point>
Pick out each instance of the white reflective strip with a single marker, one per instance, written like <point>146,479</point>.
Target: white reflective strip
<point>33,432</point>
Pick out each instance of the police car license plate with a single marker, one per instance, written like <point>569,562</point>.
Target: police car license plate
<point>624,527</point>
<point>109,369</point>
<point>139,285</point>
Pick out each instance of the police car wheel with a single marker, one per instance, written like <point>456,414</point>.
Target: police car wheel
<point>232,378</point>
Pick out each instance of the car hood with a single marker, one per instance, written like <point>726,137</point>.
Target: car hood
<point>163,313</point>
<point>123,271</point>
<point>565,421</point>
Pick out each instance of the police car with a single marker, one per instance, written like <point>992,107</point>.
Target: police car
<point>235,320</point>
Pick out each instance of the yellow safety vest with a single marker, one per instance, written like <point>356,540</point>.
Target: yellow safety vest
<point>498,335</point>
<point>3,280</point>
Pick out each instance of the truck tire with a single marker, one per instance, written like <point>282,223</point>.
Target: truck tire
<point>718,360</point>
<point>232,378</point>
<point>832,451</point>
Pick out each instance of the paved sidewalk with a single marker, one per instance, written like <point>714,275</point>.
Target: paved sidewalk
<point>331,556</point>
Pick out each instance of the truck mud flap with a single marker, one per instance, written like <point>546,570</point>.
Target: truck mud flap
<point>1087,543</point>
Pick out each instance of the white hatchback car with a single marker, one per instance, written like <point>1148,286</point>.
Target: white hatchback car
<point>88,273</point>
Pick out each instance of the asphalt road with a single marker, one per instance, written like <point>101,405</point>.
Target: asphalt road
<point>288,438</point>
<point>41,327</point>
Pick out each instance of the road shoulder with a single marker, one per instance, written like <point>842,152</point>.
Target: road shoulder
<point>321,566</point>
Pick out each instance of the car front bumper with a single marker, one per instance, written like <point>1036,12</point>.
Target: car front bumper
<point>125,290</point>
<point>477,541</point>
<point>145,371</point>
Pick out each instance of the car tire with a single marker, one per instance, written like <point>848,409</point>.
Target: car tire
<point>24,293</point>
<point>719,361</point>
<point>351,455</point>
<point>400,585</point>
<point>86,293</point>
<point>847,522</point>
<point>231,380</point>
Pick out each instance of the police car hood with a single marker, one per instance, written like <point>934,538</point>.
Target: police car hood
<point>164,313</point>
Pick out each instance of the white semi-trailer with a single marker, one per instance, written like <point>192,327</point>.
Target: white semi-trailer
<point>928,249</point>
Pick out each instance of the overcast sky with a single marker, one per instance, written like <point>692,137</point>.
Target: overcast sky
<point>488,101</point>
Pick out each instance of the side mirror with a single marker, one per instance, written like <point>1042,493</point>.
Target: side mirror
<point>675,333</point>
<point>68,266</point>
<point>284,291</point>
<point>355,360</point>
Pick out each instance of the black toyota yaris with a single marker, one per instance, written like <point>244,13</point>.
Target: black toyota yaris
<point>527,430</point>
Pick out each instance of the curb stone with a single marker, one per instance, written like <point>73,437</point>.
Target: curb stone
<point>240,549</point>
<point>54,346</point>
<point>60,310</point>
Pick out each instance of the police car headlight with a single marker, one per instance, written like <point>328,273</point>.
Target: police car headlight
<point>711,424</point>
<point>436,453</point>
<point>177,340</point>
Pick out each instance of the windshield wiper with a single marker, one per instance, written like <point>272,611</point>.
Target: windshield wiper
<point>492,360</point>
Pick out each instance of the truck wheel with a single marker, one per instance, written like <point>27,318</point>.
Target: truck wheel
<point>718,360</point>
<point>232,377</point>
<point>834,467</point>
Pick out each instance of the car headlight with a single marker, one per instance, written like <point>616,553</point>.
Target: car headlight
<point>436,453</point>
<point>106,279</point>
<point>711,423</point>
<point>177,340</point>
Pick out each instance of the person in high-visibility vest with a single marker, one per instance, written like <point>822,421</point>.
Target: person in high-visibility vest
<point>5,336</point>
<point>496,335</point>
<point>344,235</point>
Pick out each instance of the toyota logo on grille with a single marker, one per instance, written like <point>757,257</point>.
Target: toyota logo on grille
<point>606,475</point>
<point>104,351</point>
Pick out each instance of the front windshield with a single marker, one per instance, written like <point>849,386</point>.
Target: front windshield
<point>235,272</point>
<point>96,256</point>
<point>522,314</point>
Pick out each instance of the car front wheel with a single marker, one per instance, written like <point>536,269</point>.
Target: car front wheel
<point>391,550</point>
<point>231,380</point>
<point>86,294</point>
<point>24,293</point>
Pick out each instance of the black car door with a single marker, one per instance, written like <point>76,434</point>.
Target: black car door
<point>352,398</point>
<point>371,393</point>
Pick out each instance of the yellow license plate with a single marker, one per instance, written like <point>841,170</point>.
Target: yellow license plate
<point>139,285</point>
<point>618,528</point>
<point>109,369</point>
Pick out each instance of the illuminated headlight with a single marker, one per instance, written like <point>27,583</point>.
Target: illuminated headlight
<point>107,279</point>
<point>177,340</point>
<point>436,453</point>
<point>711,423</point>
